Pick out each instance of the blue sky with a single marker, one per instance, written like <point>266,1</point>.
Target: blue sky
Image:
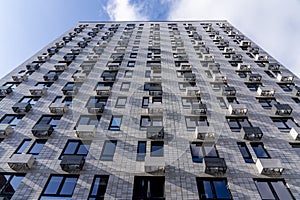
<point>27,26</point>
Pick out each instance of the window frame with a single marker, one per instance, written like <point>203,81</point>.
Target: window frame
<point>210,185</point>
<point>112,125</point>
<point>80,144</point>
<point>100,189</point>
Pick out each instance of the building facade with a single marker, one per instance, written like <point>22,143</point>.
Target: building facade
<point>150,110</point>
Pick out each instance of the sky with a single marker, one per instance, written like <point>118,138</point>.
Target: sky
<point>28,26</point>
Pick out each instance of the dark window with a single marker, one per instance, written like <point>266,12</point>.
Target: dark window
<point>131,64</point>
<point>297,100</point>
<point>22,146</point>
<point>296,147</point>
<point>12,85</point>
<point>245,152</point>
<point>37,147</point>
<point>135,48</point>
<point>157,148</point>
<point>133,55</point>
<point>232,100</point>
<point>49,119</point>
<point>94,101</point>
<point>147,73</point>
<point>115,123</point>
<point>89,120</point>
<point>151,121</point>
<point>196,151</point>
<point>98,187</point>
<point>193,121</point>
<point>44,84</point>
<point>30,99</point>
<point>141,151</point>
<point>76,147</point>
<point>149,187</point>
<point>213,188</point>
<point>253,86</point>
<point>59,187</point>
<point>236,123</point>
<point>145,102</point>
<point>9,183</point>
<point>67,101</point>
<point>128,73</point>
<point>267,103</point>
<point>273,189</point>
<point>287,87</point>
<point>121,102</point>
<point>259,150</point>
<point>156,99</point>
<point>284,124</point>
<point>13,120</point>
<point>108,150</point>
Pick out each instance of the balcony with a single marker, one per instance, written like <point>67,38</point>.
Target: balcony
<point>52,50</point>
<point>265,92</point>
<point>219,79</point>
<point>113,66</point>
<point>155,90</point>
<point>207,58</point>
<point>261,59</point>
<point>44,57</point>
<point>61,66</point>
<point>251,133</point>
<point>296,91</point>
<point>21,162</point>
<point>70,90</point>
<point>272,66</point>
<point>58,108</point>
<point>189,77</point>
<point>5,129</point>
<point>236,58</point>
<point>155,77</point>
<point>237,109</point>
<point>204,133</point>
<point>285,78</point>
<point>295,133</point>
<point>50,77</point>
<point>155,109</point>
<point>21,107</point>
<point>5,90</point>
<point>155,132</point>
<point>42,130</point>
<point>198,109</point>
<point>33,66</point>
<point>254,78</point>
<point>192,91</point>
<point>93,57</point>
<point>82,44</point>
<point>244,44</point>
<point>243,68</point>
<point>20,77</point>
<point>87,65</point>
<point>79,77</point>
<point>96,108</point>
<point>228,50</point>
<point>72,162</point>
<point>103,91</point>
<point>60,44</point>
<point>254,51</point>
<point>214,67</point>
<point>269,166</point>
<point>76,51</point>
<point>215,165</point>
<point>282,109</point>
<point>38,91</point>
<point>154,165</point>
<point>85,131</point>
<point>228,91</point>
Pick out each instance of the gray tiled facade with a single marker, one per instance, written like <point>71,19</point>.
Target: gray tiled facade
<point>197,46</point>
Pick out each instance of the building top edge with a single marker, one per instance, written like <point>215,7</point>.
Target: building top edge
<point>152,21</point>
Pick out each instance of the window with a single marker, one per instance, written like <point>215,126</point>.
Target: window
<point>296,147</point>
<point>125,86</point>
<point>115,123</point>
<point>297,100</point>
<point>12,85</point>
<point>135,48</point>
<point>267,103</point>
<point>94,101</point>
<point>151,121</point>
<point>259,150</point>
<point>76,147</point>
<point>245,152</point>
<point>59,187</point>
<point>99,186</point>
<point>141,151</point>
<point>108,150</point>
<point>199,150</point>
<point>148,187</point>
<point>37,147</point>
<point>287,87</point>
<point>284,123</point>
<point>128,73</point>
<point>156,99</point>
<point>145,102</point>
<point>253,86</point>
<point>157,148</point>
<point>236,123</point>
<point>13,120</point>
<point>121,102</point>
<point>188,102</point>
<point>193,121</point>
<point>89,120</point>
<point>44,84</point>
<point>22,146</point>
<point>50,119</point>
<point>131,64</point>
<point>147,73</point>
<point>133,55</point>
<point>232,100</point>
<point>9,184</point>
<point>273,189</point>
<point>213,188</point>
<point>30,99</point>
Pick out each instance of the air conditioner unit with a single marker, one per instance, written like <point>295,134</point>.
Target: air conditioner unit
<point>285,78</point>
<point>72,162</point>
<point>214,67</point>
<point>251,133</point>
<point>58,108</point>
<point>39,91</point>
<point>42,130</point>
<point>33,66</point>
<point>21,162</point>
<point>198,109</point>
<point>21,107</point>
<point>204,133</point>
<point>260,58</point>
<point>214,165</point>
<point>5,129</point>
<point>79,77</point>
<point>219,78</point>
<point>4,90</point>
<point>50,77</point>
<point>237,109</point>
<point>20,77</point>
<point>154,165</point>
<point>269,166</point>
<point>61,66</point>
<point>254,77</point>
<point>155,132</point>
<point>245,43</point>
<point>192,91</point>
<point>265,92</point>
<point>243,67</point>
<point>103,90</point>
<point>228,91</point>
<point>207,58</point>
<point>85,131</point>
<point>43,57</point>
<point>282,109</point>
<point>60,44</point>
<point>294,132</point>
<point>228,50</point>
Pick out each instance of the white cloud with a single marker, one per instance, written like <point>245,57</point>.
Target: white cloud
<point>272,24</point>
<point>122,10</point>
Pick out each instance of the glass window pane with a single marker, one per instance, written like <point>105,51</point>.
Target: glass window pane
<point>83,149</point>
<point>15,181</point>
<point>37,147</point>
<point>259,150</point>
<point>71,147</point>
<point>23,146</point>
<point>68,186</point>
<point>53,185</point>
<point>221,189</point>
<point>264,190</point>
<point>157,149</point>
<point>208,189</point>
<point>281,190</point>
